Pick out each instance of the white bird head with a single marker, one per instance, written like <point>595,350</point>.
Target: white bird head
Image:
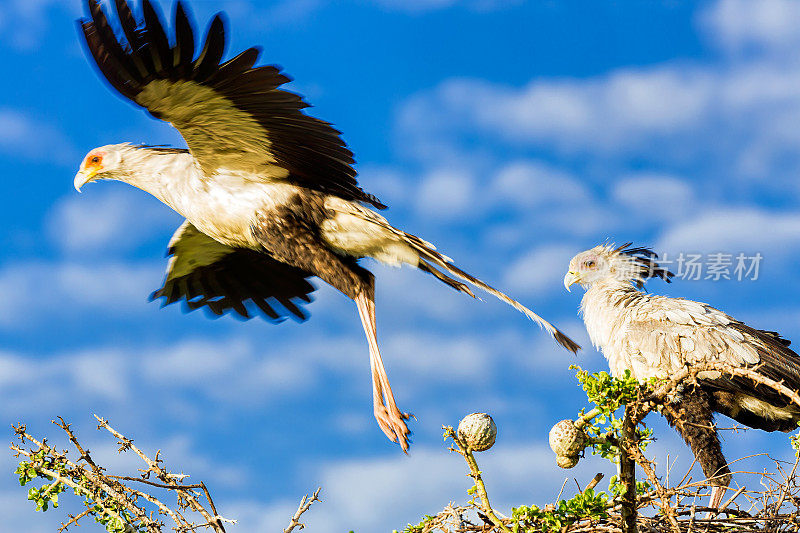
<point>611,262</point>
<point>104,162</point>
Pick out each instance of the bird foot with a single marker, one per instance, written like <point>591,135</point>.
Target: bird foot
<point>392,423</point>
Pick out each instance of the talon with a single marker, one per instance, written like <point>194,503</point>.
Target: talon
<point>385,423</point>
<point>392,424</point>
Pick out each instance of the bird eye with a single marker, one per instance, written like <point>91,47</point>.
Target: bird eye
<point>589,263</point>
<point>95,159</point>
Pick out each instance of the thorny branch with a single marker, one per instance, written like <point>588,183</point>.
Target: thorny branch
<point>305,505</point>
<point>187,498</point>
<point>121,503</point>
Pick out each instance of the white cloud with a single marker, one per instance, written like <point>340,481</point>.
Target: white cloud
<point>34,291</point>
<point>109,222</point>
<point>733,230</point>
<point>564,221</point>
<point>85,376</point>
<point>24,22</point>
<point>719,134</point>
<point>737,118</point>
<point>653,195</point>
<point>260,14</point>
<point>738,24</point>
<point>416,362</point>
<point>412,293</point>
<point>19,514</point>
<point>458,357</point>
<point>608,113</point>
<point>192,364</point>
<point>446,194</point>
<point>510,199</point>
<point>110,375</point>
<point>32,137</point>
<point>283,12</point>
<point>541,270</point>
<point>529,184</point>
<point>387,183</point>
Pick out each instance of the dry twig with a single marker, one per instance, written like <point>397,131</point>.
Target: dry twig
<point>305,505</point>
<point>124,503</point>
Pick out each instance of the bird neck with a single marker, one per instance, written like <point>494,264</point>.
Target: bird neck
<point>602,307</point>
<point>167,176</point>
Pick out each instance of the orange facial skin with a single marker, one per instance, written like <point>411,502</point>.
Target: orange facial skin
<point>93,163</point>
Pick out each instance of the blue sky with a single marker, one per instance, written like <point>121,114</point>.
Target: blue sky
<point>511,134</point>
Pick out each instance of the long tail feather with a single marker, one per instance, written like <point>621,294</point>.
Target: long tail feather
<point>457,285</point>
<point>430,257</point>
<point>424,256</point>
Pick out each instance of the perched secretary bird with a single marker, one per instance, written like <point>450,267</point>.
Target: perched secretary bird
<point>657,336</point>
<point>269,193</point>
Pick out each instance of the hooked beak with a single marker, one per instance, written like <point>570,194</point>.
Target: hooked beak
<point>570,279</point>
<point>83,177</point>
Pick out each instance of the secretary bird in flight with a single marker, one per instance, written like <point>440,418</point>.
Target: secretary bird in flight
<point>658,336</point>
<point>268,192</point>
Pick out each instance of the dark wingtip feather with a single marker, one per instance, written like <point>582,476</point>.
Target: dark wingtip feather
<point>213,49</point>
<point>240,284</point>
<point>374,201</point>
<point>184,41</point>
<point>82,25</point>
<point>293,309</point>
<point>566,342</point>
<point>161,54</point>
<point>127,20</point>
<point>137,44</point>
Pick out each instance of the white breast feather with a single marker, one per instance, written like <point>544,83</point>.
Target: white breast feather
<point>222,205</point>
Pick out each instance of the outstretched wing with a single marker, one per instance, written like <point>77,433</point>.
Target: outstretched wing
<point>231,114</point>
<point>206,273</point>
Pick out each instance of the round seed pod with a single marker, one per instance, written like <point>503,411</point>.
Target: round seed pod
<point>566,461</point>
<point>567,440</point>
<point>477,431</point>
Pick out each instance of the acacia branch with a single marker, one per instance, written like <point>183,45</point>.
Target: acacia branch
<point>475,473</point>
<point>212,518</point>
<point>305,505</point>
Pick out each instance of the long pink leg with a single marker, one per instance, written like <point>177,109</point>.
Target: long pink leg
<point>720,481</point>
<point>390,419</point>
<point>716,496</point>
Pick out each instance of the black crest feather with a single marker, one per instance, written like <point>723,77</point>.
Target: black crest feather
<point>648,260</point>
